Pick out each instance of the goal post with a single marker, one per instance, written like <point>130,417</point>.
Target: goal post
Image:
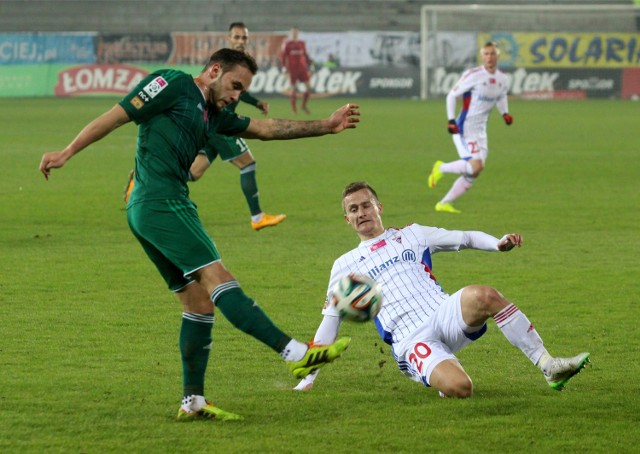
<point>549,51</point>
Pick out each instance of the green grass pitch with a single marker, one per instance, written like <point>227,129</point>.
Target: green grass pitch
<point>89,361</point>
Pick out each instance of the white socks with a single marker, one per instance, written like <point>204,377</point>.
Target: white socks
<point>193,403</point>
<point>461,167</point>
<point>294,351</point>
<point>545,362</point>
<point>518,330</point>
<point>460,186</point>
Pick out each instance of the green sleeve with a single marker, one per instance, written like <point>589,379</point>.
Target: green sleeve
<point>230,123</point>
<point>210,150</point>
<point>249,99</point>
<point>155,93</point>
<point>225,123</point>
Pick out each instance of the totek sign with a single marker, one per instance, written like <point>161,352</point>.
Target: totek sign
<point>542,84</point>
<point>520,81</point>
<point>374,82</point>
<point>325,81</point>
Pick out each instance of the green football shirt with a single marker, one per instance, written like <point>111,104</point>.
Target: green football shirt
<point>174,123</point>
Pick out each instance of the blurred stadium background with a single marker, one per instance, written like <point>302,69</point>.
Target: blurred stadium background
<point>372,48</point>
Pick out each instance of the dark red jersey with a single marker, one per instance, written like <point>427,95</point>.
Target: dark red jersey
<point>294,54</point>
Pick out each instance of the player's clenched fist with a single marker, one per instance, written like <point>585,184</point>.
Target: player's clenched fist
<point>509,241</point>
<point>452,127</point>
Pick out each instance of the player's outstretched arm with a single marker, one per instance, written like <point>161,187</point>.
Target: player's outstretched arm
<point>91,133</point>
<point>345,117</point>
<point>326,334</point>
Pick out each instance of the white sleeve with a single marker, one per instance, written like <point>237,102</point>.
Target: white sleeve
<point>337,271</point>
<point>451,105</point>
<point>466,83</point>
<point>502,105</point>
<point>480,241</point>
<point>328,330</point>
<point>441,240</point>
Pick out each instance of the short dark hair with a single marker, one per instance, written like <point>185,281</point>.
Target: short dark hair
<point>355,187</point>
<point>237,24</point>
<point>228,58</point>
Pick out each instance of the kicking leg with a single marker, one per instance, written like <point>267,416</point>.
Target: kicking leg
<point>245,314</point>
<point>480,303</point>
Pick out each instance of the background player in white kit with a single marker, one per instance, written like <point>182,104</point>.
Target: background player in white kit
<point>481,89</point>
<point>424,325</point>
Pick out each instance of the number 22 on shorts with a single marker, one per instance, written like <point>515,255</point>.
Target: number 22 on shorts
<point>473,147</point>
<point>421,351</point>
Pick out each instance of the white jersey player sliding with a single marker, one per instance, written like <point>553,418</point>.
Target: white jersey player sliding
<point>424,325</point>
<point>481,89</point>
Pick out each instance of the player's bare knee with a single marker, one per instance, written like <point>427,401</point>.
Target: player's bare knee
<point>460,387</point>
<point>486,301</point>
<point>450,378</point>
<point>477,166</point>
<point>477,170</point>
<point>213,275</point>
<point>491,301</point>
<point>195,299</point>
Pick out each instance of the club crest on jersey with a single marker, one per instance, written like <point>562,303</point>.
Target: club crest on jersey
<point>137,102</point>
<point>492,80</point>
<point>155,86</point>
<point>378,245</point>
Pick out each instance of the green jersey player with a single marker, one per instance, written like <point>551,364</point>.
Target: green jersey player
<point>233,149</point>
<point>236,151</point>
<point>175,114</point>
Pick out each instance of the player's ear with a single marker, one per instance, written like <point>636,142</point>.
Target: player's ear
<point>215,70</point>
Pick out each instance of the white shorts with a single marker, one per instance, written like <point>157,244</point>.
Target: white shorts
<point>446,333</point>
<point>472,146</point>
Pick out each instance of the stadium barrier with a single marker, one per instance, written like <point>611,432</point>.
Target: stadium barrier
<point>362,64</point>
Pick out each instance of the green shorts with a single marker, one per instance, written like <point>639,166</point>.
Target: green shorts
<point>173,237</point>
<point>227,147</point>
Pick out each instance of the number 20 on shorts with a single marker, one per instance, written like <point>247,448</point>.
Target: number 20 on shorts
<point>421,351</point>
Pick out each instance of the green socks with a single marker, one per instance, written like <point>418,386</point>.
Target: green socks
<point>246,315</point>
<point>249,187</point>
<point>195,345</point>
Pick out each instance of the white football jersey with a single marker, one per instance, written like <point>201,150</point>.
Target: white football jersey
<point>480,91</point>
<point>400,261</point>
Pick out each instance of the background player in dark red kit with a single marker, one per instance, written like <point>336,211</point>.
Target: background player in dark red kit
<point>296,61</point>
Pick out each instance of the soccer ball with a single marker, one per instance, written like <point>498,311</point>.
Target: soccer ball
<point>357,298</point>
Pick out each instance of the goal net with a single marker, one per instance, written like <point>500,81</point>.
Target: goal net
<point>549,51</point>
